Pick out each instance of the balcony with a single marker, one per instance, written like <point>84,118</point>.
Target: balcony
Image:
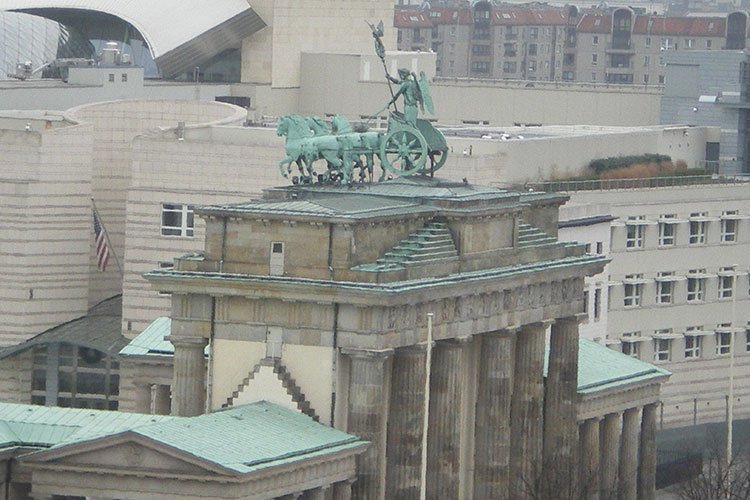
<point>620,48</point>
<point>620,67</point>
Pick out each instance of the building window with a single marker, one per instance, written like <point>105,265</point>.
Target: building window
<point>729,226</point>
<point>647,43</point>
<point>124,77</point>
<point>532,66</point>
<point>633,290</point>
<point>481,33</point>
<point>630,341</point>
<point>664,288</point>
<point>666,43</point>
<point>509,50</point>
<point>723,341</point>
<point>597,303</point>
<point>593,76</point>
<point>595,40</point>
<point>594,59</point>
<point>662,347</point>
<point>111,77</point>
<point>532,49</point>
<point>277,259</point>
<point>480,50</point>
<point>646,60</point>
<point>697,228</point>
<point>480,67</point>
<point>695,285</point>
<point>586,303</point>
<point>667,226</point>
<point>599,248</point>
<point>509,67</point>
<point>634,232</point>
<point>708,44</point>
<point>726,282</point>
<point>533,33</point>
<point>689,43</point>
<point>747,339</point>
<point>177,220</point>
<point>692,347</point>
<point>84,377</point>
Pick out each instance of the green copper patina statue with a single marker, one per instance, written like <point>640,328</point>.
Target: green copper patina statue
<point>409,146</point>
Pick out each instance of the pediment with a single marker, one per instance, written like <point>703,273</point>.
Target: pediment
<point>127,452</point>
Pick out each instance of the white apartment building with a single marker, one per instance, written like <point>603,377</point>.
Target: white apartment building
<point>679,268</point>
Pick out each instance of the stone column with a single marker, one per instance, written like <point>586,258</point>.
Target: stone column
<point>162,399</point>
<point>492,424</point>
<point>343,490</point>
<point>443,439</point>
<point>405,423</point>
<point>368,418</point>
<point>647,462</point>
<point>609,444</point>
<point>560,426</point>
<point>628,480</point>
<point>589,482</point>
<point>526,410</point>
<point>142,396</point>
<point>189,394</point>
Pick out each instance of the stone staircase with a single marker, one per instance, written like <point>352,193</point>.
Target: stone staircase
<point>530,236</point>
<point>430,243</point>
<point>294,391</point>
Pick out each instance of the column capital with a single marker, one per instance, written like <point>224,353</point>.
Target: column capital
<point>187,341</point>
<point>544,323</point>
<point>366,353</point>
<point>573,318</point>
<point>413,350</point>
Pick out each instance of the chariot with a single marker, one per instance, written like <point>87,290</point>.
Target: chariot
<point>408,150</point>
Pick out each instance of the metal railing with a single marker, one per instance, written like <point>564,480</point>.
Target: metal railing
<point>650,182</point>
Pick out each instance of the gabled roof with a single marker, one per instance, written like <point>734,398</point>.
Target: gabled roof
<point>100,329</point>
<point>680,26</point>
<point>241,439</point>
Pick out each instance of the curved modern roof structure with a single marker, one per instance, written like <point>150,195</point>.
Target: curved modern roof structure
<point>180,34</point>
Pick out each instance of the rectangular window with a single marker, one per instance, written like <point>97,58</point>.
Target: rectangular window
<point>594,59</point>
<point>593,76</point>
<point>509,67</point>
<point>692,347</point>
<point>697,228</point>
<point>599,248</point>
<point>723,341</point>
<point>509,50</point>
<point>480,50</point>
<point>532,66</point>
<point>480,67</point>
<point>747,339</point>
<point>124,77</point>
<point>633,290</point>
<point>533,33</point>
<point>111,77</point>
<point>689,43</point>
<point>646,60</point>
<point>695,285</point>
<point>726,282</point>
<point>532,49</point>
<point>630,341</point>
<point>597,303</point>
<point>481,33</point>
<point>729,226</point>
<point>667,230</point>
<point>664,289</point>
<point>595,40</point>
<point>586,302</point>
<point>277,259</point>
<point>708,44</point>
<point>634,232</point>
<point>666,43</point>
<point>662,349</point>
<point>177,220</point>
<point>647,43</point>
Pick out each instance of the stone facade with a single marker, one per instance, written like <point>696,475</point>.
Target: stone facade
<point>353,287</point>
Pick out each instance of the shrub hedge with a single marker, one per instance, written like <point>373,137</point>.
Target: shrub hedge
<point>614,162</point>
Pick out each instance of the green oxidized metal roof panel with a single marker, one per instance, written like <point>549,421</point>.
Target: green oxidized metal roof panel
<point>151,340</point>
<point>601,368</point>
<point>249,437</point>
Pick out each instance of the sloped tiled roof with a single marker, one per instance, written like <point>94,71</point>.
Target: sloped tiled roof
<point>100,329</point>
<point>601,368</point>
<point>529,17</point>
<point>241,439</point>
<point>680,26</point>
<point>595,23</point>
<point>450,16</point>
<point>411,19</point>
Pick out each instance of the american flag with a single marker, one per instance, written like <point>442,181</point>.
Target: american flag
<point>102,249</point>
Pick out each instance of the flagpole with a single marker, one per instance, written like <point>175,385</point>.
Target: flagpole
<point>106,235</point>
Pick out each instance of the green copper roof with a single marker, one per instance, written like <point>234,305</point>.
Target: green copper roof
<point>601,368</point>
<point>151,342</point>
<point>241,439</point>
<point>250,437</point>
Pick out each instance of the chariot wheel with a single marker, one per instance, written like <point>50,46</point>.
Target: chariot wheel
<point>437,159</point>
<point>403,152</point>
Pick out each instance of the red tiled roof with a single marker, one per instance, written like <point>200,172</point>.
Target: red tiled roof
<point>529,16</point>
<point>680,26</point>
<point>595,23</point>
<point>411,19</point>
<point>450,16</point>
